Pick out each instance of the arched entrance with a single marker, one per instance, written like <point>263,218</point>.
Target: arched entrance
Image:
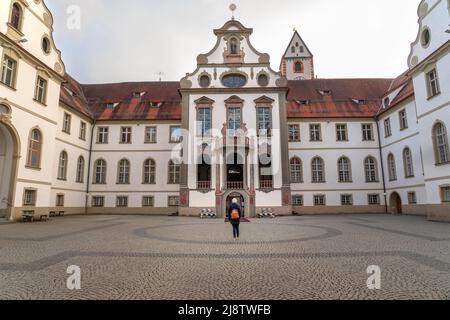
<point>396,203</point>
<point>241,201</point>
<point>9,155</point>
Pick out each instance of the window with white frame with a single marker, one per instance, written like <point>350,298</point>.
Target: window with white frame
<point>62,166</point>
<point>174,172</point>
<point>346,200</point>
<point>123,176</point>
<point>432,83</point>
<point>319,200</point>
<point>387,128</point>
<point>341,132</point>
<point>315,132</point>
<point>34,149</point>
<point>445,193</point>
<point>412,198</point>
<point>370,168</point>
<point>67,119</point>
<point>408,163</point>
<point>102,135</point>
<point>125,134</point>
<point>294,133</point>
<point>122,201</point>
<point>148,201</point>
<point>9,70</point>
<point>204,121</point>
<point>100,172</point>
<point>297,200</point>
<point>60,200</point>
<point>296,170</point>
<point>374,199</point>
<point>173,201</point>
<point>264,119</point>
<point>82,130</point>
<point>367,132</point>
<point>98,201</point>
<point>41,90</point>
<point>175,134</point>
<point>318,170</point>
<point>149,172</point>
<point>392,168</point>
<point>29,197</point>
<point>440,141</point>
<point>150,135</point>
<point>403,120</point>
<point>345,171</point>
<point>80,170</point>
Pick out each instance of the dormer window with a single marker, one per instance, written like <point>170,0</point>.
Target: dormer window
<point>303,102</point>
<point>155,104</point>
<point>16,16</point>
<point>387,102</point>
<point>138,94</point>
<point>233,46</point>
<point>111,105</point>
<point>325,93</point>
<point>360,101</point>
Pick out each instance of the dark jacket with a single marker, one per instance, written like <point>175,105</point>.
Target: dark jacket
<point>231,208</point>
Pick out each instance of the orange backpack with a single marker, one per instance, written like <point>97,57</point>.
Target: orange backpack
<point>234,214</point>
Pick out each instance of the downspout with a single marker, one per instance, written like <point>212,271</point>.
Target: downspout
<point>382,166</point>
<point>89,168</point>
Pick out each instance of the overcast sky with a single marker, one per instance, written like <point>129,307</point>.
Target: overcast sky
<point>133,40</point>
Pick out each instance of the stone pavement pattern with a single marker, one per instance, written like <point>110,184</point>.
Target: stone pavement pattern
<point>139,257</point>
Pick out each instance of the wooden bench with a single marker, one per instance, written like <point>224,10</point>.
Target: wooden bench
<point>61,213</point>
<point>52,214</point>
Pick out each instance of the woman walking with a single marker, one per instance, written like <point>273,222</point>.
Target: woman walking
<point>234,215</point>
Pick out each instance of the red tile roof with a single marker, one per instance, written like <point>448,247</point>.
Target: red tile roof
<point>406,92</point>
<point>158,101</point>
<point>343,102</point>
<point>72,95</point>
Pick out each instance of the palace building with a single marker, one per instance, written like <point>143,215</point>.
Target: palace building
<point>234,127</point>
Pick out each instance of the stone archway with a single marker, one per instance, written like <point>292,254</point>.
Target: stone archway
<point>243,196</point>
<point>9,156</point>
<point>395,203</point>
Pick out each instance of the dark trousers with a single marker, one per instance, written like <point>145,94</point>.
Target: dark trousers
<point>235,230</point>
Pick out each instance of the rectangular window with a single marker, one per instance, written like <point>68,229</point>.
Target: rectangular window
<point>445,194</point>
<point>412,198</point>
<point>264,115</point>
<point>174,201</point>
<point>341,132</point>
<point>314,131</point>
<point>319,200</point>
<point>125,134</point>
<point>204,121</point>
<point>29,197</point>
<point>102,135</point>
<point>387,128</point>
<point>367,131</point>
<point>403,120</point>
<point>60,200</point>
<point>9,71</point>
<point>433,83</point>
<point>82,130</point>
<point>150,135</point>
<point>66,123</point>
<point>40,94</point>
<point>374,199</point>
<point>175,134</point>
<point>297,200</point>
<point>122,201</point>
<point>148,201</point>
<point>346,200</point>
<point>234,120</point>
<point>294,133</point>
<point>98,201</point>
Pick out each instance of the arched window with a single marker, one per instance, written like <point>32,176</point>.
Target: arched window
<point>296,170</point>
<point>174,172</point>
<point>344,170</point>
<point>34,149</point>
<point>370,168</point>
<point>392,168</point>
<point>80,170</point>
<point>298,67</point>
<point>123,175</point>
<point>318,170</point>
<point>234,46</point>
<point>149,172</point>
<point>408,163</point>
<point>16,16</point>
<point>62,166</point>
<point>440,141</point>
<point>100,172</point>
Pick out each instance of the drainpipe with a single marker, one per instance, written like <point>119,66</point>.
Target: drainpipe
<point>89,169</point>
<point>382,166</point>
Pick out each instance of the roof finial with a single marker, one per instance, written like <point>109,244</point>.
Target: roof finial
<point>295,29</point>
<point>233,8</point>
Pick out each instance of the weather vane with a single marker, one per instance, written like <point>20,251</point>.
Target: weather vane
<point>233,8</point>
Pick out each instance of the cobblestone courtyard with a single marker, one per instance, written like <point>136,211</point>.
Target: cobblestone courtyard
<point>138,257</point>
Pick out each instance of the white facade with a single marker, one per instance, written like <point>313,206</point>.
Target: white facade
<point>232,76</point>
